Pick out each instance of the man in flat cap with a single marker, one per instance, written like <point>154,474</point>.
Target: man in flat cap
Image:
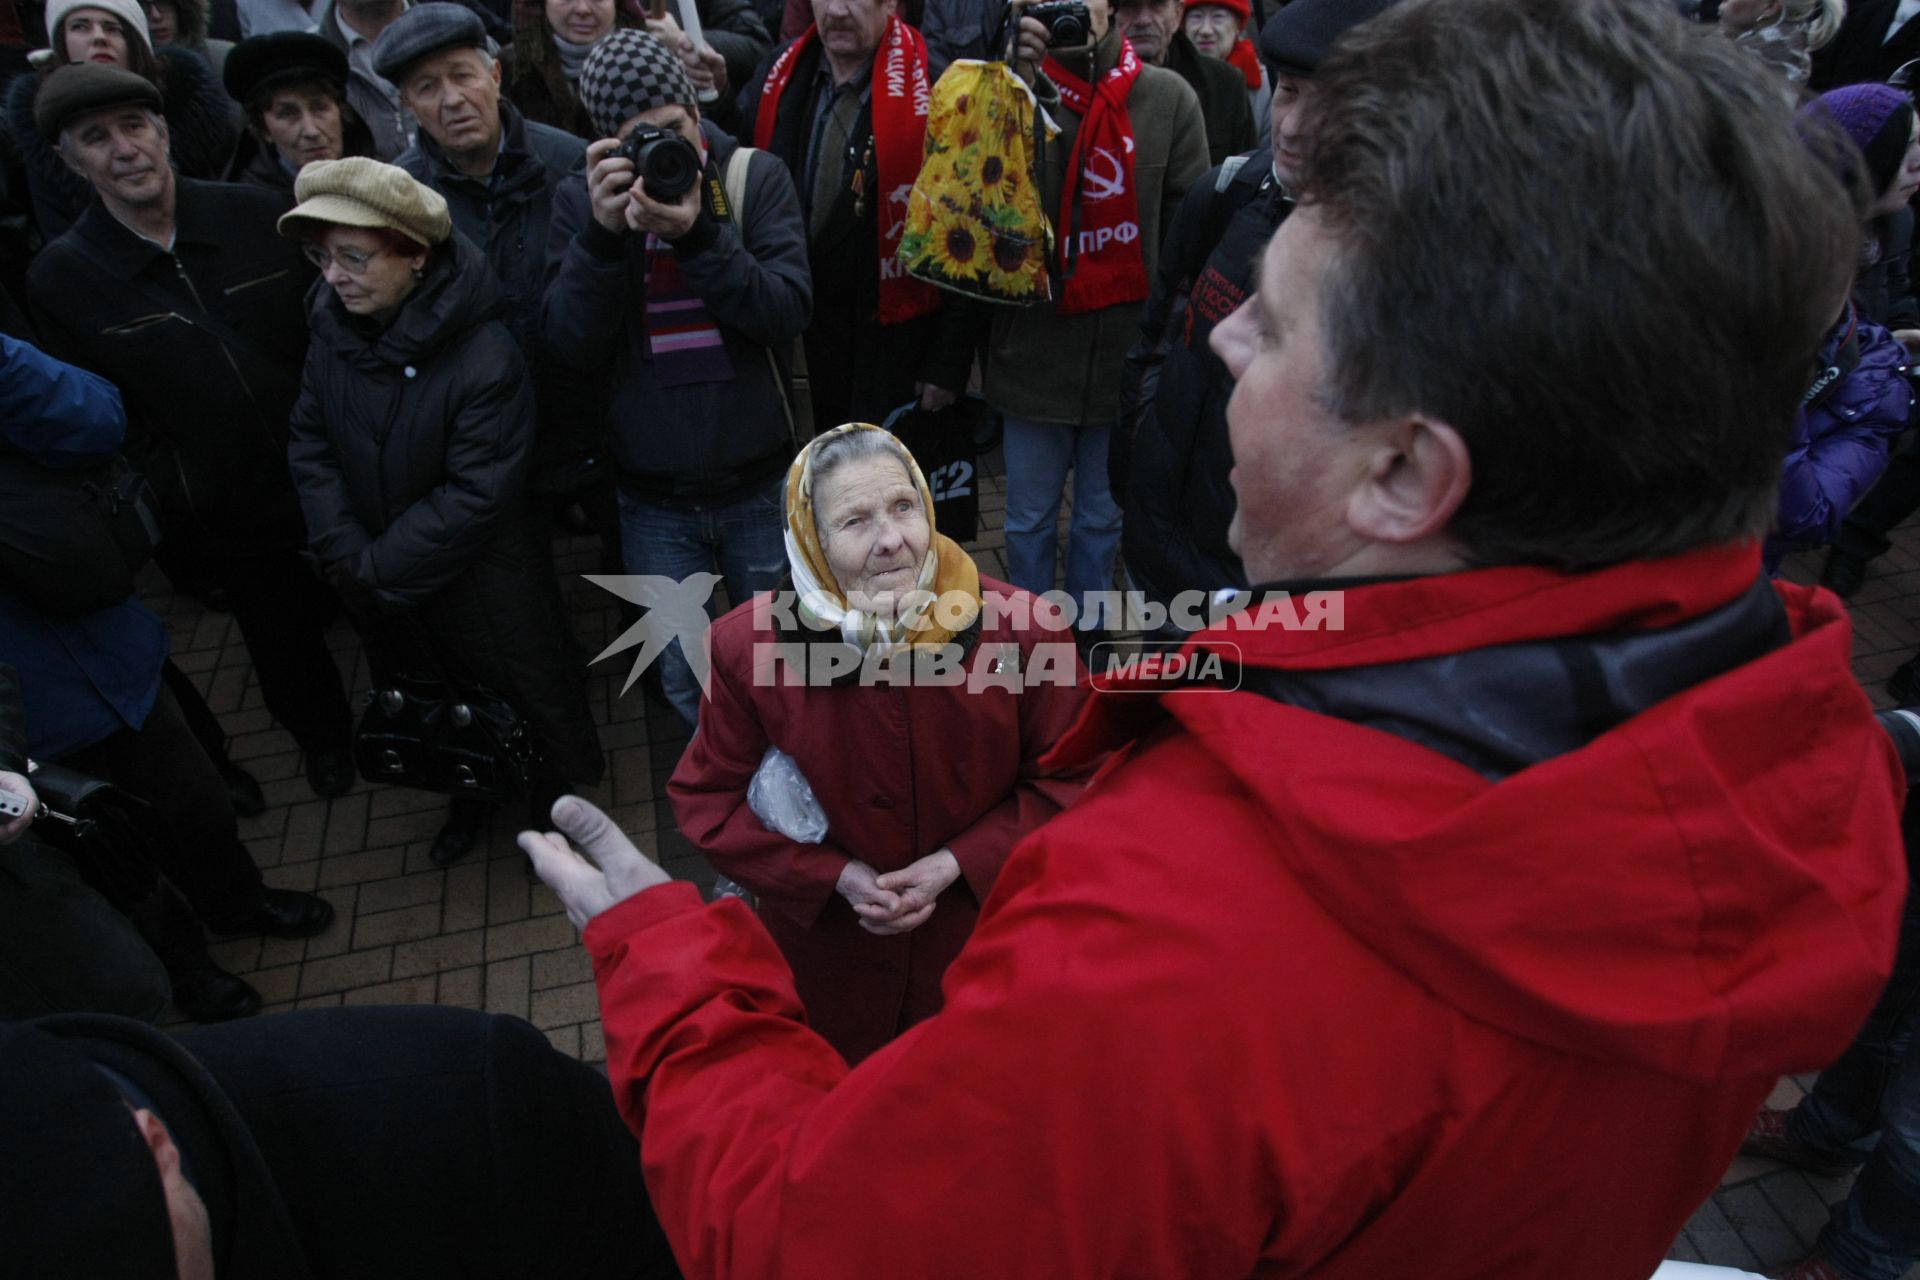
<point>181,293</point>
<point>497,169</point>
<point>292,85</point>
<point>1170,458</point>
<point>700,428</point>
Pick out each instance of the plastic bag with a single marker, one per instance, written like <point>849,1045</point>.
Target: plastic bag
<point>974,219</point>
<point>782,799</point>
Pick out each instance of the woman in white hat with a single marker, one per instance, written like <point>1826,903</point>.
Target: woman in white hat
<point>410,445</point>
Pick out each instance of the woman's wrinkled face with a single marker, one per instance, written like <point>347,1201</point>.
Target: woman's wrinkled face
<point>94,35</point>
<point>874,531</point>
<point>370,278</point>
<point>581,21</point>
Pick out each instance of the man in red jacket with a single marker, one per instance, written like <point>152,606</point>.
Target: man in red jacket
<point>1463,937</point>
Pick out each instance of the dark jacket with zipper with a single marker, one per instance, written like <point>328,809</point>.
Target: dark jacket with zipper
<point>411,446</point>
<point>205,343</point>
<point>705,438</point>
<point>508,219</point>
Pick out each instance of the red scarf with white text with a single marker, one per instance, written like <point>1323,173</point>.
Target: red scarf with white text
<point>1101,259</point>
<point>901,96</point>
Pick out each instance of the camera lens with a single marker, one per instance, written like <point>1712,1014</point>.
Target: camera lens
<point>668,168</point>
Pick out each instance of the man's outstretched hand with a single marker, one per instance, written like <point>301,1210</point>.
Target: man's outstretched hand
<point>617,869</point>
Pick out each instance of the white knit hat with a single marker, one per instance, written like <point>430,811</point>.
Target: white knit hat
<point>132,15</point>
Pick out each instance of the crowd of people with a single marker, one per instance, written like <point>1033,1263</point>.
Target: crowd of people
<point>1537,332</point>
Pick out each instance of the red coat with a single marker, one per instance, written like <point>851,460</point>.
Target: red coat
<point>900,772</point>
<point>1286,996</point>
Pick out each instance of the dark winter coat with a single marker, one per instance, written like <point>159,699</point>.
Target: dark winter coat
<point>507,214</point>
<point>708,437</point>
<point>1170,457</point>
<point>333,1143</point>
<point>1855,408</point>
<point>207,414</point>
<point>1883,288</point>
<point>539,88</point>
<point>201,125</point>
<point>410,450</point>
<point>87,677</point>
<point>860,369</point>
<point>1222,91</point>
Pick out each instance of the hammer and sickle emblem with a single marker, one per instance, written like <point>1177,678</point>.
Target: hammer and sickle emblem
<point>1106,181</point>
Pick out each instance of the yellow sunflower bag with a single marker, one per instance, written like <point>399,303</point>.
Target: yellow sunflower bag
<point>974,219</point>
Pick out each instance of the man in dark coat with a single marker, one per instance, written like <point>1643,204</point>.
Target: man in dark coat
<point>323,1145</point>
<point>689,307</point>
<point>498,172</point>
<point>1170,458</point>
<point>89,657</point>
<point>852,140</point>
<point>181,294</point>
<point>1156,28</point>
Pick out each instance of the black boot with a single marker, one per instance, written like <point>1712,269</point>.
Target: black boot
<point>466,820</point>
<point>201,989</point>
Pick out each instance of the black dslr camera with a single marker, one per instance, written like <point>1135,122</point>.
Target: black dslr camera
<point>1068,24</point>
<point>666,163</point>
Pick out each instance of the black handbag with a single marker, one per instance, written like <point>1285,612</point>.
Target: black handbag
<point>440,735</point>
<point>110,833</point>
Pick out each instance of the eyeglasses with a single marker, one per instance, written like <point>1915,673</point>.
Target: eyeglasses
<point>351,261</point>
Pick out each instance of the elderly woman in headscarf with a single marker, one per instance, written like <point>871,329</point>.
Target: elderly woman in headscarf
<point>916,699</point>
<point>410,445</point>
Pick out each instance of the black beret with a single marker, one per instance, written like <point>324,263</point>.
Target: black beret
<point>253,60</point>
<point>80,1194</point>
<point>425,29</point>
<point>1297,38</point>
<point>80,87</point>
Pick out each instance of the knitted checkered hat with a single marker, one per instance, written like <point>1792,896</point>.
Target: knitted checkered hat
<point>629,72</point>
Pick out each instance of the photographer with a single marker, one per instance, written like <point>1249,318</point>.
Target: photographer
<point>680,296</point>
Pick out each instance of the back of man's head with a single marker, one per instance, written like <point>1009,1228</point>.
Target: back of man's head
<point>1585,234</point>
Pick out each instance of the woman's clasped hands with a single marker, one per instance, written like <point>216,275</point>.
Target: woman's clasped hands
<point>898,901</point>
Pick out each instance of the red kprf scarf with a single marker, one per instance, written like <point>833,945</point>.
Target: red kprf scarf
<point>901,96</point>
<point>1101,260</point>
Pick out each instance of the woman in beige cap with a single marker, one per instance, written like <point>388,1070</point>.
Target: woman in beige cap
<point>410,445</point>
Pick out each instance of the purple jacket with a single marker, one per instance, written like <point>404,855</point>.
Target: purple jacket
<point>1841,435</point>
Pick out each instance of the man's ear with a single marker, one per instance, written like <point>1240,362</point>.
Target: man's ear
<point>1417,478</point>
<point>60,149</point>
<point>495,64</point>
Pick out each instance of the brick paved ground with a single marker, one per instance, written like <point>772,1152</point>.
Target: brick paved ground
<point>482,935</point>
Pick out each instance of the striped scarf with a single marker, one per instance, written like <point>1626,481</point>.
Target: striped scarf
<point>682,337</point>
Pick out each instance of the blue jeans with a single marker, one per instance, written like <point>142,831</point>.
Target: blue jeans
<point>741,539</point>
<point>1039,455</point>
<point>1875,1088</point>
